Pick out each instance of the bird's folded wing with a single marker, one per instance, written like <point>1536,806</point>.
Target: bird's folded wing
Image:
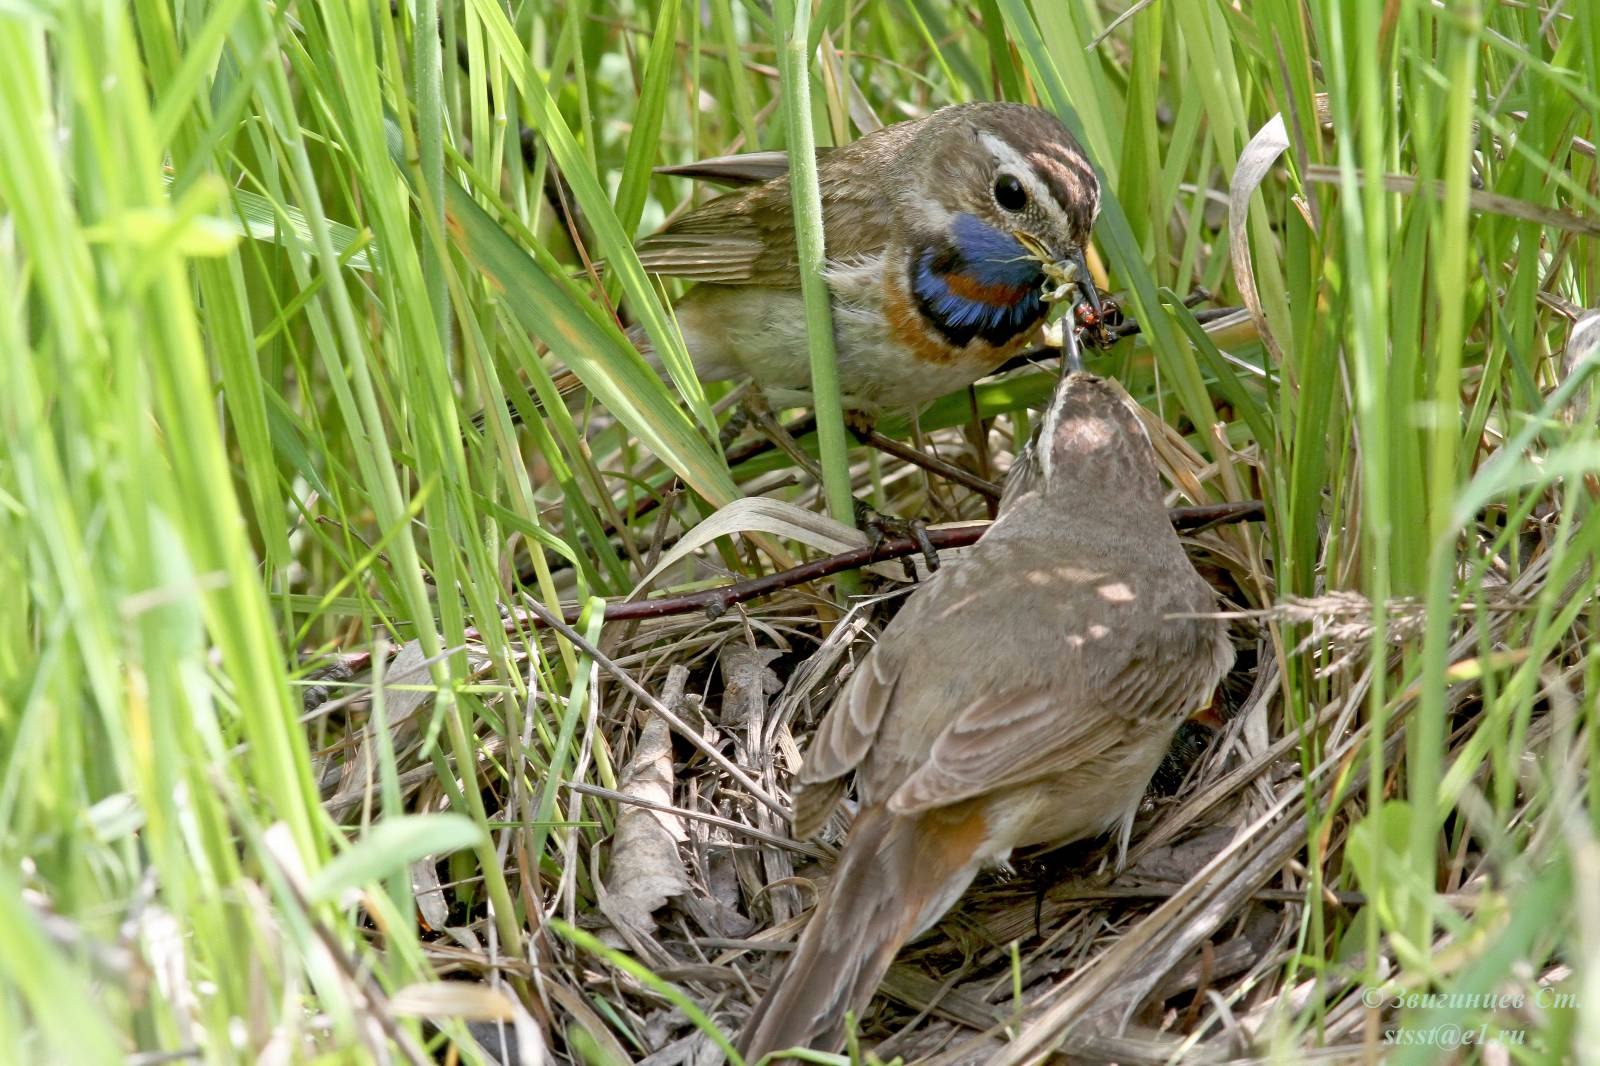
<point>842,741</point>
<point>742,238</point>
<point>725,259</point>
<point>851,724</point>
<point>996,744</point>
<point>746,237</point>
<point>1018,737</point>
<point>746,168</point>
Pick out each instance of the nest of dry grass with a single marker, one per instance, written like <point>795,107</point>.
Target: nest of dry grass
<point>1238,859</point>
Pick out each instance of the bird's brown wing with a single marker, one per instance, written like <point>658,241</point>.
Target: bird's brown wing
<point>1096,698</point>
<point>740,238</point>
<point>841,742</point>
<point>746,237</point>
<point>1012,737</point>
<point>1108,701</point>
<point>746,168</point>
<point>851,724</point>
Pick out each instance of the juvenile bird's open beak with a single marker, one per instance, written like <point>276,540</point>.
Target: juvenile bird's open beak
<point>1071,271</point>
<point>1071,357</point>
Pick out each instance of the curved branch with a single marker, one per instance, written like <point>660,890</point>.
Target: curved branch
<point>716,601</point>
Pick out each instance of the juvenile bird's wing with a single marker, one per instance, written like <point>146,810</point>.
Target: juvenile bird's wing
<point>1118,667</point>
<point>746,237</point>
<point>842,740</point>
<point>1109,697</point>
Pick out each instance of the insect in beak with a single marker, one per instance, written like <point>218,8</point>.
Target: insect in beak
<point>1063,273</point>
<point>1037,249</point>
<point>1067,273</point>
<point>1066,277</point>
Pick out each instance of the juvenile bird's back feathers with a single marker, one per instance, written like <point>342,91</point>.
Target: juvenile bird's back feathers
<point>1023,695</point>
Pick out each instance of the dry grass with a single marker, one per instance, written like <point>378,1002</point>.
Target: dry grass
<point>261,264</point>
<point>1184,953</point>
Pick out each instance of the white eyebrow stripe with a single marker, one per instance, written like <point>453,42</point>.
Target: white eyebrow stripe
<point>1012,162</point>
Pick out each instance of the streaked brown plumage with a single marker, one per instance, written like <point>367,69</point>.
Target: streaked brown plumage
<point>972,203</point>
<point>1024,695</point>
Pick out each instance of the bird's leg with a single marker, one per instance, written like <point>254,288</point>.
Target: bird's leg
<point>758,412</point>
<point>978,437</point>
<point>860,423</point>
<point>868,520</point>
<point>880,527</point>
<point>734,426</point>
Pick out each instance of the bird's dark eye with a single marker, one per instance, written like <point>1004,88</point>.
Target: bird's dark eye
<point>1008,193</point>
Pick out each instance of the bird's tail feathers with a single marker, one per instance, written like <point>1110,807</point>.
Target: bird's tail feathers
<point>887,889</point>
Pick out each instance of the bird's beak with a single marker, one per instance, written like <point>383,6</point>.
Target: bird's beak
<point>1084,280</point>
<point>1069,272</point>
<point>1063,274</point>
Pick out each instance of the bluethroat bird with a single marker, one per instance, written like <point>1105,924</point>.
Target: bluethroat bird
<point>942,235</point>
<point>1094,652</point>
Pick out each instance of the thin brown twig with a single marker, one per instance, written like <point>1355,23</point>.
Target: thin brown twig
<point>1184,519</point>
<point>717,600</point>
<point>648,698</point>
<point>800,846</point>
<point>932,463</point>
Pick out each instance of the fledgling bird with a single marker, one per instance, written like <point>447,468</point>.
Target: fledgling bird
<point>940,235</point>
<point>1023,695</point>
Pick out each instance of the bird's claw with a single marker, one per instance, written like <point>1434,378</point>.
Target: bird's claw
<point>860,424</point>
<point>881,527</point>
<point>735,425</point>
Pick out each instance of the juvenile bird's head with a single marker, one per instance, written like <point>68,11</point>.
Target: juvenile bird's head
<point>998,200</point>
<point>1090,451</point>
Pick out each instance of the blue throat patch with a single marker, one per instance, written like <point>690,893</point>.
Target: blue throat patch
<point>978,256</point>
